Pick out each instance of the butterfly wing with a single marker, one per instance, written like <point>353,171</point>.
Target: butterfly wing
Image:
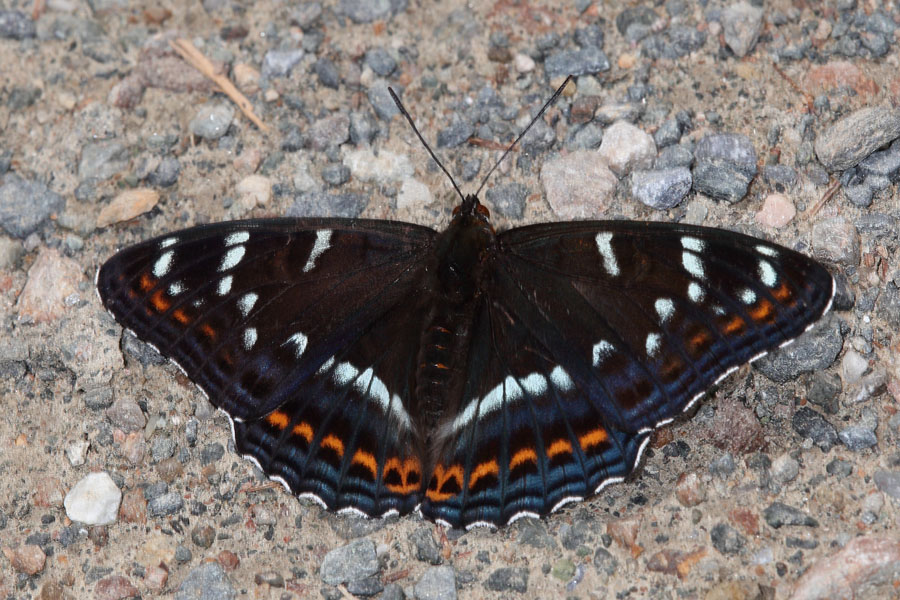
<point>293,328</point>
<point>594,333</point>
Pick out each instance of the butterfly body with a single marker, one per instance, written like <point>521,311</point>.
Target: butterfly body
<point>477,377</point>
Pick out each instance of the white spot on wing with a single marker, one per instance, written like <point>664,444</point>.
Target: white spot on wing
<point>767,251</point>
<point>653,341</point>
<point>246,302</point>
<point>323,243</point>
<point>665,308</point>
<point>695,292</point>
<point>602,350</point>
<point>224,285</point>
<point>249,337</point>
<point>767,273</point>
<point>561,379</point>
<point>326,366</point>
<point>604,246</point>
<point>534,385</point>
<point>176,288</point>
<point>163,264</point>
<point>344,373</point>
<point>232,258</point>
<point>238,237</point>
<point>693,265</point>
<point>299,341</point>
<point>748,296</point>
<point>169,241</point>
<point>693,244</point>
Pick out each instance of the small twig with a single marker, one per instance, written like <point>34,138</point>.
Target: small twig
<point>810,104</point>
<point>831,191</point>
<point>269,485</point>
<point>483,143</point>
<point>196,59</point>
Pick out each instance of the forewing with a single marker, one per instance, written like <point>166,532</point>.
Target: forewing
<point>270,319</point>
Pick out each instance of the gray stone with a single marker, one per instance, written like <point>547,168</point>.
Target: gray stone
<point>437,583</point>
<point>514,579</point>
<point>734,148</point>
<point>166,173</point>
<point>587,138</point>
<point>508,199</point>
<point>166,504</point>
<point>126,414</point>
<point>427,550</point>
<point>605,562</point>
<point>778,515</point>
<point>26,205</point>
<point>857,438</point>
<point>206,582</point>
<point>393,591</point>
<point>162,448</point>
<point>888,482</point>
<point>674,156</point>
<point>279,63</point>
<point>780,177</point>
<point>741,24</point>
<point>723,467</point>
<point>848,141</point>
<point>825,390</point>
<point>352,562</point>
<point>532,532</point>
<point>16,25</point>
<point>363,128</point>
<point>366,587</point>
<point>211,453</point>
<point>380,61</point>
<point>839,468</point>
<point>675,42</point>
<point>810,424</point>
<point>836,240</point>
<point>785,468</point>
<point>726,539</point>
<point>330,131</point>
<point>366,11</point>
<point>576,62</point>
<point>456,133</point>
<point>661,189</point>
<point>815,350</point>
<point>668,133</point>
<point>102,160</point>
<point>327,72</point>
<point>335,174</point>
<point>381,100</point>
<point>641,16</point>
<point>885,163</point>
<point>539,138</point>
<point>724,166</point>
<point>859,195</point>
<point>212,120</point>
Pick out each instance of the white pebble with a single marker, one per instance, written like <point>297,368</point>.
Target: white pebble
<point>94,500</point>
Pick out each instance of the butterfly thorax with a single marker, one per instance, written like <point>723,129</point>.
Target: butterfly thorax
<point>451,286</point>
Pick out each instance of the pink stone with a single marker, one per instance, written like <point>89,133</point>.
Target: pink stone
<point>52,279</point>
<point>28,559</point>
<point>777,211</point>
<point>867,567</point>
<point>689,490</point>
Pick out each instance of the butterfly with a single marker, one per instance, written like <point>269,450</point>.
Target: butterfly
<point>473,376</point>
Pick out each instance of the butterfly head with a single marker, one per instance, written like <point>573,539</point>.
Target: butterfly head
<point>472,206</point>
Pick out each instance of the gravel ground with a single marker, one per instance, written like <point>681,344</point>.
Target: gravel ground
<point>771,118</point>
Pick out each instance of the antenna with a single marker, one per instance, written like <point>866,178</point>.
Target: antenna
<point>424,143</point>
<point>544,108</point>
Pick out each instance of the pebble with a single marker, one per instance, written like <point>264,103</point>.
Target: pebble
<point>26,205</point>
<point>427,550</point>
<point>380,61</point>
<point>116,587</point>
<point>28,559</point>
<point>674,156</point>
<point>320,204</point>
<point>514,579</point>
<point>836,240</point>
<point>810,424</point>
<point>523,63</point>
<point>94,500</point>
<point>781,177</point>
<point>279,63</point>
<point>166,504</point>
<point>851,139</point>
<point>674,42</point>
<point>634,20</point>
<point>741,24</point>
<point>254,191</point>
<point>367,11</point>
<point>668,133</point>
<point>203,536</point>
<point>381,100</point>
<point>363,128</point>
<point>212,120</point>
<point>866,567</point>
<point>456,133</point>
<point>885,163</point>
<point>508,199</point>
<point>206,582</point>
<point>726,539</point>
<point>166,173</point>
<point>101,160</point>
<point>586,61</point>
<point>662,189</point>
<point>15,25</point>
<point>724,166</point>
<point>777,211</point>
<point>52,281</point>
<point>126,414</point>
<point>778,515</point>
<point>327,72</point>
<point>626,147</point>
<point>815,350</point>
<point>332,130</point>
<point>133,508</point>
<point>605,562</point>
<point>689,490</point>
<point>857,438</point>
<point>127,205</point>
<point>436,583</point>
<point>578,185</point>
<point>369,586</point>
<point>853,366</point>
<point>352,562</point>
<point>888,482</point>
<point>10,252</point>
<point>586,138</point>
<point>785,468</point>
